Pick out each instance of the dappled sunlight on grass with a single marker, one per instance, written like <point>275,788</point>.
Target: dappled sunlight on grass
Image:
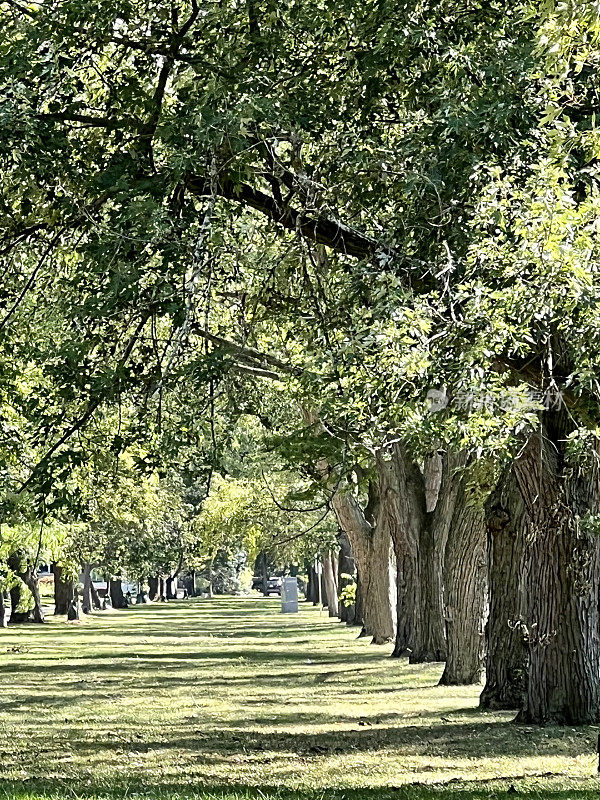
<point>204,695</point>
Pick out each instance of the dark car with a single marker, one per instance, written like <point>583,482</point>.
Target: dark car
<point>273,584</point>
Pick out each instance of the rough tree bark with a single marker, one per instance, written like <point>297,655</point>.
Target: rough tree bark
<point>401,515</point>
<point>30,579</point>
<point>117,598</point>
<point>372,548</point>
<point>345,568</point>
<point>264,574</point>
<point>430,644</point>
<point>86,601</point>
<point>418,520</point>
<point>562,559</point>
<point>153,587</point>
<point>171,591</point>
<point>3,621</point>
<point>359,602</point>
<point>506,660</point>
<point>438,504</point>
<point>465,592</point>
<point>331,589</point>
<point>17,616</point>
<point>64,591</point>
<point>311,585</point>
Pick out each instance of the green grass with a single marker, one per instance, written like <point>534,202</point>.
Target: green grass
<point>231,699</point>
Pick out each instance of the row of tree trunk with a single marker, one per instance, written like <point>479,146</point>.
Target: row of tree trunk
<point>162,588</point>
<point>419,547</point>
<point>434,561</point>
<point>66,602</point>
<point>543,522</point>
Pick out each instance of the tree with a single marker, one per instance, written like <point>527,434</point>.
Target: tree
<point>204,211</point>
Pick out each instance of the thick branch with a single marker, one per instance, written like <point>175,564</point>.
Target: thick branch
<point>151,48</point>
<point>255,359</point>
<point>257,372</point>
<point>323,230</point>
<point>110,123</point>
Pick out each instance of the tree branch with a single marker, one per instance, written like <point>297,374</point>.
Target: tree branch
<point>32,278</point>
<point>88,413</point>
<point>88,120</point>
<point>255,359</point>
<point>323,230</point>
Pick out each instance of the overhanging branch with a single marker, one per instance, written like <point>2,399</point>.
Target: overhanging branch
<point>252,360</point>
<point>322,230</point>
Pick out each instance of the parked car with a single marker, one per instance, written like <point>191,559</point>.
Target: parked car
<point>273,584</point>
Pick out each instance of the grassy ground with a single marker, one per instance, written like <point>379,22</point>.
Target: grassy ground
<point>230,699</point>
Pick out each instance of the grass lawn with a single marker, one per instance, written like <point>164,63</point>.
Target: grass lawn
<point>231,699</point>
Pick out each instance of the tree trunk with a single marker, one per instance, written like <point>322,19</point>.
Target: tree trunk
<point>506,660</point>
<point>89,590</point>
<point>3,622</point>
<point>465,579</point>
<point>372,550</point>
<point>359,603</point>
<point>335,568</point>
<point>209,573</point>
<point>330,582</point>
<point>86,598</point>
<point>30,579</point>
<point>74,610</point>
<point>316,587</point>
<point>401,513</point>
<point>440,506</point>
<point>117,598</point>
<point>430,642</point>
<point>95,596</point>
<point>371,545</point>
<point>324,597</point>
<point>310,583</point>
<point>379,589</point>
<point>153,592</point>
<point>562,560</point>
<point>64,591</point>
<point>417,514</point>
<point>17,616</point>
<point>171,591</point>
<point>264,573</point>
<point>346,576</point>
<point>407,598</point>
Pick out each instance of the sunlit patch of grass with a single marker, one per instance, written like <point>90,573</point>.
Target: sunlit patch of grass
<point>230,699</point>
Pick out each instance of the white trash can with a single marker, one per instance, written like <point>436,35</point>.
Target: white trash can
<point>289,596</point>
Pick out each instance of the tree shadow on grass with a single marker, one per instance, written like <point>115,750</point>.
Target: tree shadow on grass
<point>182,660</point>
<point>254,736</point>
<point>549,788</point>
